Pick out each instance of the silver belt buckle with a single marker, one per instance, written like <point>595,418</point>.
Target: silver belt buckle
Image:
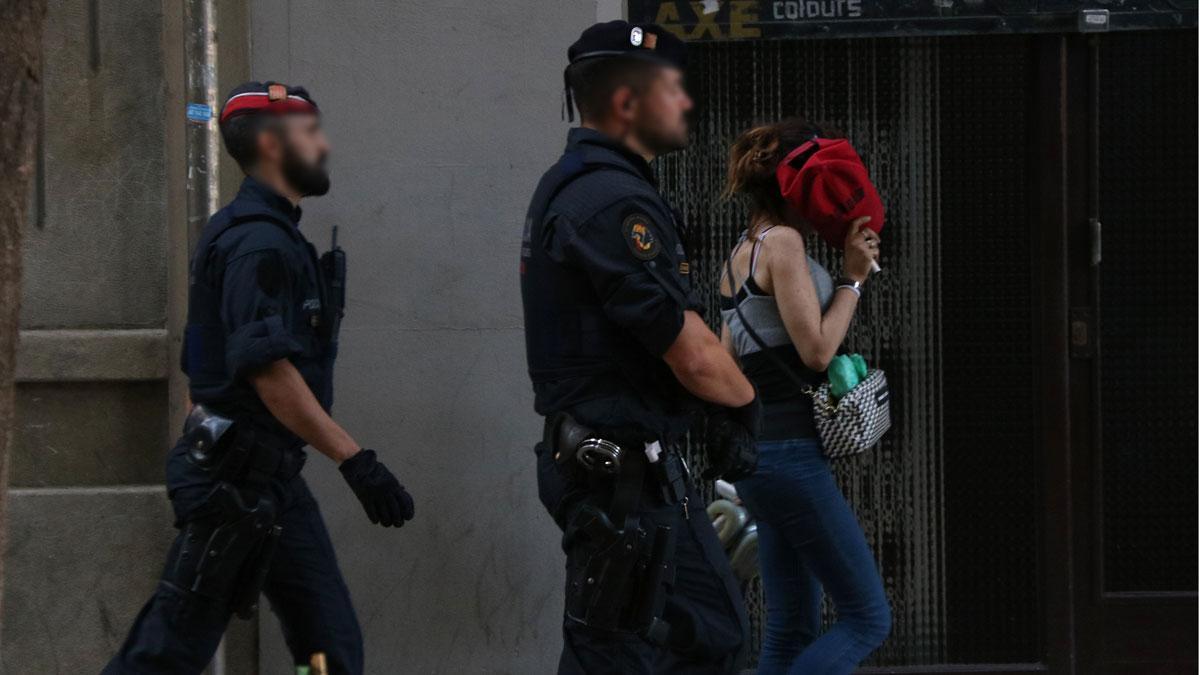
<point>597,454</point>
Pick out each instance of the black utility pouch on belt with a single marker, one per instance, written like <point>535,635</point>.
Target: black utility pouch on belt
<point>218,445</point>
<point>578,448</point>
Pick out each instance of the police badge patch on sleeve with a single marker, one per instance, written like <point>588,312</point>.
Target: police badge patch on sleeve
<point>640,237</point>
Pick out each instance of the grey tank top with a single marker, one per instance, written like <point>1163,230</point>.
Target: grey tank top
<point>787,411</point>
<point>761,310</point>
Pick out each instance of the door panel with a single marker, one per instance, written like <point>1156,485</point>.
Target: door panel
<point>1148,311</point>
<point>1138,571</point>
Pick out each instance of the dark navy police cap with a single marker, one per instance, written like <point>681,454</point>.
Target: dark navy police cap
<point>267,97</point>
<point>623,39</point>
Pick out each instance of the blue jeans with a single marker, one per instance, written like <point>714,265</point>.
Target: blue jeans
<point>809,542</point>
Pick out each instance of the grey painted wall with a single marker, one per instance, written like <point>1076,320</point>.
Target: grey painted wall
<point>443,115</point>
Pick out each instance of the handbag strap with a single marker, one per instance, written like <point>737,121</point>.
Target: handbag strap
<point>805,387</point>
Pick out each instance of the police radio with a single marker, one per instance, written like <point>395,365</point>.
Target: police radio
<point>333,269</point>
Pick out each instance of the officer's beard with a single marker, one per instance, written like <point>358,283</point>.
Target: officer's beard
<point>310,180</point>
<point>662,145</point>
<point>661,142</point>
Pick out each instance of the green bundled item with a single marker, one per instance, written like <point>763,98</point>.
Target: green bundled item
<point>842,376</point>
<point>860,366</point>
<point>845,372</point>
<point>303,670</point>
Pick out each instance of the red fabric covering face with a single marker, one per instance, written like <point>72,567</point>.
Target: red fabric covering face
<point>828,185</point>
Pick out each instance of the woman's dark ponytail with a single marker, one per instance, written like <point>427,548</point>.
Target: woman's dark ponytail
<point>753,158</point>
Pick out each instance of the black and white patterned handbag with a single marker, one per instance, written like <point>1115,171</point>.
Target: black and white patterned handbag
<point>852,424</point>
<point>857,420</point>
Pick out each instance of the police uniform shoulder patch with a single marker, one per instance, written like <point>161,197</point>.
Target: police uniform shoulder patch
<point>640,237</point>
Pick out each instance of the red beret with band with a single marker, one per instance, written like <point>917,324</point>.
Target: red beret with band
<point>828,185</point>
<point>268,97</point>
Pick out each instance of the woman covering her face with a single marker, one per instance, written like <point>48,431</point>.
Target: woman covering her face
<point>798,181</point>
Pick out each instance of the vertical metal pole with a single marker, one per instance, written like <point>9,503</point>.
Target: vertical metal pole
<point>200,63</point>
<point>203,153</point>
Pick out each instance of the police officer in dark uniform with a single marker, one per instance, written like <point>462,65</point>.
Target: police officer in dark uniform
<point>259,347</point>
<point>622,366</point>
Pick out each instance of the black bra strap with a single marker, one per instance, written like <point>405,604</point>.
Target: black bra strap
<point>762,345</point>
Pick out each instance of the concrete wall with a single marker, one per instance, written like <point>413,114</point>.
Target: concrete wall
<point>88,527</point>
<point>443,116</point>
<point>104,270</point>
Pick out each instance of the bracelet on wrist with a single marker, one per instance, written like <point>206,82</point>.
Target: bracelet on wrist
<point>847,282</point>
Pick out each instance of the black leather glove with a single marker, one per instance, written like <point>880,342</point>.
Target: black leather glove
<point>749,416</point>
<point>732,442</point>
<point>382,496</point>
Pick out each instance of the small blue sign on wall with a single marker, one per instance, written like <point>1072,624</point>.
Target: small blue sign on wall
<point>199,112</point>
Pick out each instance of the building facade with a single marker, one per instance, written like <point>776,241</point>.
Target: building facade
<point>1033,508</point>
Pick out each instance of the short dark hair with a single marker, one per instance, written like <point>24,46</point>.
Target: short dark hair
<point>240,134</point>
<point>593,81</point>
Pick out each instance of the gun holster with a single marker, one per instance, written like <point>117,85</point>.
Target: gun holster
<point>618,567</point>
<point>617,577</point>
<point>225,551</point>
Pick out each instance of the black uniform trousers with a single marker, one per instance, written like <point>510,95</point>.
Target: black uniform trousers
<point>178,632</point>
<point>705,595</point>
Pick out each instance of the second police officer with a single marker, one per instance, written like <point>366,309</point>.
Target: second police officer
<point>622,365</point>
<point>259,348</point>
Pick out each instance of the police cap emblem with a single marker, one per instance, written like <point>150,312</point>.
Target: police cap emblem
<point>639,236</point>
<point>635,37</point>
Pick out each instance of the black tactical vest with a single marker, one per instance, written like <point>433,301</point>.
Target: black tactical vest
<point>314,327</point>
<point>579,360</point>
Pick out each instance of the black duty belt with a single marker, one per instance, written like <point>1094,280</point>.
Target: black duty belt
<point>271,457</point>
<point>576,447</point>
<point>239,450</point>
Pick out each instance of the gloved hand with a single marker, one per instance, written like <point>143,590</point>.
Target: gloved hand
<point>733,442</point>
<point>382,496</point>
<point>749,416</point>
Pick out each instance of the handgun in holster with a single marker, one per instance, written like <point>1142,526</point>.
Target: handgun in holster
<point>601,585</point>
<point>225,552</point>
<point>621,583</point>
